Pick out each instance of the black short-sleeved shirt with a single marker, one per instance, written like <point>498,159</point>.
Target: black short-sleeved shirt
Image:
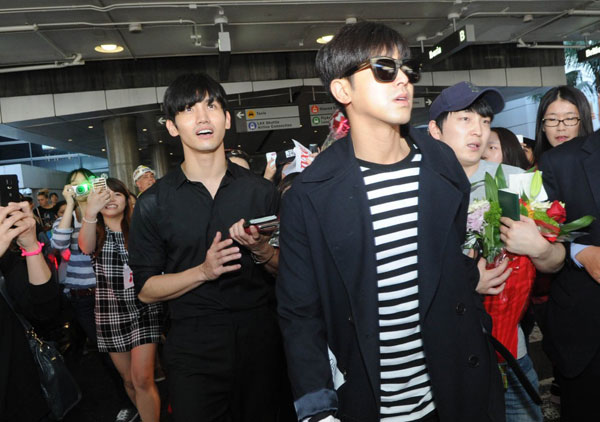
<point>174,223</point>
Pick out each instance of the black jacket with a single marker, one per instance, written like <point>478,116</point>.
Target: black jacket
<point>571,173</point>
<point>20,394</point>
<point>327,291</point>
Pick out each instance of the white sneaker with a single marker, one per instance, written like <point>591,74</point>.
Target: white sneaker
<point>127,415</point>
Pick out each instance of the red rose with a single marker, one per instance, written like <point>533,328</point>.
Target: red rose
<point>557,212</point>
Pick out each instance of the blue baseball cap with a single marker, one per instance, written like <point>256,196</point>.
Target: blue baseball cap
<point>461,96</point>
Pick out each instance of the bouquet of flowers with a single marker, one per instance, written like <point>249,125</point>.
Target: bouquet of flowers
<point>483,219</point>
<point>483,235</point>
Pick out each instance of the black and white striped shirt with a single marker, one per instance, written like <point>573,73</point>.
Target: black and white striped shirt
<point>392,192</point>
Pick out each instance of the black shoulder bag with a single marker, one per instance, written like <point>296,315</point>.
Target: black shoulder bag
<point>59,388</point>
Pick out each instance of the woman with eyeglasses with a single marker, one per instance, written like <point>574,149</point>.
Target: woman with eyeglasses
<point>564,113</point>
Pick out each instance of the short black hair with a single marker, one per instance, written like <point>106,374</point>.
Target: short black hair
<point>479,106</point>
<point>53,194</point>
<point>575,97</point>
<point>355,44</point>
<point>189,89</point>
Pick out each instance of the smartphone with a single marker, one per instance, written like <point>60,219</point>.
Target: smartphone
<point>265,225</point>
<point>9,189</point>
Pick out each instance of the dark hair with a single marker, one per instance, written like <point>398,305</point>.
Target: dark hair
<point>512,152</point>
<point>479,106</point>
<point>575,97</point>
<point>189,89</point>
<point>87,173</point>
<point>43,192</point>
<point>60,204</point>
<point>286,182</point>
<point>53,194</point>
<point>354,44</point>
<point>114,185</point>
<point>27,198</point>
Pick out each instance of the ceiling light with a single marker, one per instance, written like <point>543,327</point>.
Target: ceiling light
<point>160,141</point>
<point>108,48</point>
<point>170,153</point>
<point>324,39</point>
<point>69,140</point>
<point>103,149</point>
<point>144,130</point>
<point>139,149</point>
<point>90,126</point>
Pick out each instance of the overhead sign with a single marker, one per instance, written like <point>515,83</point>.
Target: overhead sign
<point>450,45</point>
<point>421,102</point>
<point>268,118</point>
<point>320,114</point>
<point>161,120</point>
<point>588,53</point>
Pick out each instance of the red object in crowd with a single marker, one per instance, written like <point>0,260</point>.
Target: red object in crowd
<point>507,308</point>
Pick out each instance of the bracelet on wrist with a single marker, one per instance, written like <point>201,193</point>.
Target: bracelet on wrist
<point>257,260</point>
<point>32,253</point>
<point>94,221</point>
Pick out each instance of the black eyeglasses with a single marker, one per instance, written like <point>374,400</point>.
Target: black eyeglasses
<point>569,121</point>
<point>385,69</point>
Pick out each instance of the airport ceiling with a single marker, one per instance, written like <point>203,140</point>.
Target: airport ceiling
<point>41,33</point>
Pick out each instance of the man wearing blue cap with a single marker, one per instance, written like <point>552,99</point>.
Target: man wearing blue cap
<point>461,117</point>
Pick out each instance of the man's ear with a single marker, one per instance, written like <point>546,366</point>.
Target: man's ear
<point>227,120</point>
<point>172,128</point>
<point>434,130</point>
<point>340,89</point>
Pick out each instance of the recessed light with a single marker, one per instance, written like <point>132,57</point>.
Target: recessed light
<point>139,149</point>
<point>324,39</point>
<point>90,126</point>
<point>69,140</point>
<point>170,153</point>
<point>103,149</point>
<point>144,130</point>
<point>160,141</point>
<point>108,48</point>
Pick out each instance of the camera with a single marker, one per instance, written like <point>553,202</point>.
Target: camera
<point>93,185</point>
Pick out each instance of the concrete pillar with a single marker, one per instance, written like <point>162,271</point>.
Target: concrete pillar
<point>121,144</point>
<point>160,159</point>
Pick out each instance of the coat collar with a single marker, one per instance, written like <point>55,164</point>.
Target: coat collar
<point>591,164</point>
<point>340,202</point>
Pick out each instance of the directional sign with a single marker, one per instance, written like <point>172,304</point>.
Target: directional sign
<point>161,120</point>
<point>420,102</point>
<point>450,45</point>
<point>588,53</point>
<point>268,118</point>
<point>320,114</point>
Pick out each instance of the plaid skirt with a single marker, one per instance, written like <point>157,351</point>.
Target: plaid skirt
<point>122,321</point>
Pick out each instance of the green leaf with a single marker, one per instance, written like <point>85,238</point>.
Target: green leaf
<point>524,210</point>
<point>500,179</point>
<point>577,224</point>
<point>524,197</point>
<point>491,189</point>
<point>536,184</point>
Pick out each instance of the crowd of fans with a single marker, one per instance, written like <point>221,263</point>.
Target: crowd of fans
<point>178,265</point>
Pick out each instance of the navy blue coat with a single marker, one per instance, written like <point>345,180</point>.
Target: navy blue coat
<point>571,173</point>
<point>327,291</point>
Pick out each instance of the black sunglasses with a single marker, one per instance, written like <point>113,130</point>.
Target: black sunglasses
<point>385,69</point>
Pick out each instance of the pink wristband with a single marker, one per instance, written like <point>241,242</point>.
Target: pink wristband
<point>37,251</point>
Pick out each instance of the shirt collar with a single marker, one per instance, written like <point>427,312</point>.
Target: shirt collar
<point>233,172</point>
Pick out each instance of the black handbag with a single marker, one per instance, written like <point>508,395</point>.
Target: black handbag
<point>59,388</point>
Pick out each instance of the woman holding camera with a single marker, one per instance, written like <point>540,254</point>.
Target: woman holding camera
<point>35,294</point>
<point>127,329</point>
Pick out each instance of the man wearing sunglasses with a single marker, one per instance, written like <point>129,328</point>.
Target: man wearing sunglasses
<point>377,302</point>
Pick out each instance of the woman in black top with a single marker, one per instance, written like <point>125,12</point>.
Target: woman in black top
<point>35,294</point>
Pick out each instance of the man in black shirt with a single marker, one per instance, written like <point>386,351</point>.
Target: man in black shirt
<point>188,247</point>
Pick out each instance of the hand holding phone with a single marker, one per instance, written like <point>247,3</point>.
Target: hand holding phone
<point>264,225</point>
